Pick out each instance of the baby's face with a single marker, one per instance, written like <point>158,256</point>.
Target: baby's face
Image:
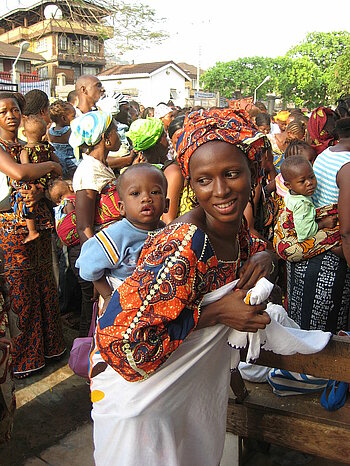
<point>59,192</point>
<point>303,181</point>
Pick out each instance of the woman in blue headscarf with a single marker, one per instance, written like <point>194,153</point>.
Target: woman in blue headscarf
<point>95,134</point>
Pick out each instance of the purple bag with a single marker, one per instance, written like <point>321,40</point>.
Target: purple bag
<point>79,354</point>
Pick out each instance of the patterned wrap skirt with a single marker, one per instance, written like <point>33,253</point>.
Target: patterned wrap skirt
<point>34,317</point>
<point>318,293</point>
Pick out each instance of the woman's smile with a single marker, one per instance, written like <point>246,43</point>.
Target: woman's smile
<point>225,207</point>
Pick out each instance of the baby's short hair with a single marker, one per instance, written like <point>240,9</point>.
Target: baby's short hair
<point>30,121</point>
<point>291,165</point>
<point>134,169</point>
<point>58,109</point>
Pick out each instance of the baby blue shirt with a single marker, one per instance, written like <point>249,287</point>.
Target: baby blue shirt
<point>113,251</point>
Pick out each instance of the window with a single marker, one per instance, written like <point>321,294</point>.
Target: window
<point>1,65</point>
<point>194,83</point>
<point>41,45</point>
<point>94,46</point>
<point>62,43</point>
<point>43,72</point>
<point>90,70</point>
<point>86,45</point>
<point>173,94</point>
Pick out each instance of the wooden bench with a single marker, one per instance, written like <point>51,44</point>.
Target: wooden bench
<point>297,422</point>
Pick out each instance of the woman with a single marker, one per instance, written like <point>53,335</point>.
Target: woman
<point>150,140</point>
<point>319,288</point>
<point>28,267</point>
<point>94,184</point>
<point>175,412</point>
<point>279,142</point>
<point>320,129</point>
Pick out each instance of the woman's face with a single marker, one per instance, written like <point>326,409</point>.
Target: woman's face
<point>113,139</point>
<point>221,180</point>
<point>10,115</point>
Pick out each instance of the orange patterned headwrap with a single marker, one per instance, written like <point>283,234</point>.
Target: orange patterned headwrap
<point>227,125</point>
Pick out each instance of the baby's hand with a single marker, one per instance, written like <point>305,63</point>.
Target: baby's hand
<point>328,222</point>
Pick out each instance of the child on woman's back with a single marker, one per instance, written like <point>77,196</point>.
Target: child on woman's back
<point>35,151</point>
<point>295,147</point>
<point>300,180</point>
<point>115,250</point>
<point>61,193</point>
<point>62,113</point>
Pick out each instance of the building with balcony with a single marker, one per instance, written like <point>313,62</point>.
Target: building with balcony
<point>69,35</point>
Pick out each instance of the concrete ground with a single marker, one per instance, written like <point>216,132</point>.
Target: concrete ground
<point>53,427</point>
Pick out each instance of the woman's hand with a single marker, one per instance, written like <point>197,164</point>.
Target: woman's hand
<point>139,159</point>
<point>32,195</point>
<point>56,168</point>
<point>257,266</point>
<point>232,311</point>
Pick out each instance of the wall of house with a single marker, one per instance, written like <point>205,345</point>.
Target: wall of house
<point>150,90</point>
<point>168,84</point>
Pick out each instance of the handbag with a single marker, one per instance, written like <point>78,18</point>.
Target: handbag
<point>79,354</point>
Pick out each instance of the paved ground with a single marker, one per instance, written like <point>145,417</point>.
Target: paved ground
<point>53,426</point>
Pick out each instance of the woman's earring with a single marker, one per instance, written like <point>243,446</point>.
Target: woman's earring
<point>108,142</point>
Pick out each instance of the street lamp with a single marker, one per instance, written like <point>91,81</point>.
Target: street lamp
<point>23,48</point>
<point>263,82</point>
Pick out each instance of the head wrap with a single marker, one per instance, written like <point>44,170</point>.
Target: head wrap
<point>320,138</point>
<point>161,110</point>
<point>227,125</point>
<point>110,103</point>
<point>144,133</point>
<point>283,115</point>
<point>89,128</point>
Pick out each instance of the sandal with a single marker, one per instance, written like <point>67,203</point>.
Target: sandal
<point>22,375</point>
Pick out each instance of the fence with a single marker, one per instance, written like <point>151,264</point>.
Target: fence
<point>27,83</point>
<point>8,86</point>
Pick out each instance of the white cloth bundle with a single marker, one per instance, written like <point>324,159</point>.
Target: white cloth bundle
<point>275,337</point>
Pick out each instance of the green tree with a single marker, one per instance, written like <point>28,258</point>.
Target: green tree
<point>339,77</point>
<point>322,48</point>
<point>298,80</point>
<point>240,76</point>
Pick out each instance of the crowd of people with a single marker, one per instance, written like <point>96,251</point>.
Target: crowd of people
<point>147,211</point>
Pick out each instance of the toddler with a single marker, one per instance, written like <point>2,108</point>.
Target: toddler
<point>295,147</point>
<point>114,251</point>
<point>35,151</point>
<point>61,193</point>
<point>300,180</point>
<point>62,113</point>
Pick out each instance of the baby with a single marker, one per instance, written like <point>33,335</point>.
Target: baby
<point>35,151</point>
<point>300,180</point>
<point>62,113</point>
<point>115,250</point>
<point>61,193</point>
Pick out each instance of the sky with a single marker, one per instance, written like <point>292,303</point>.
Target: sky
<point>224,30</point>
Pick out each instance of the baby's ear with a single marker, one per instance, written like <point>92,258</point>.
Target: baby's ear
<point>121,208</point>
<point>166,208</point>
<point>286,184</point>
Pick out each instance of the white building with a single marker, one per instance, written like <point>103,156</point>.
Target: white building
<point>148,83</point>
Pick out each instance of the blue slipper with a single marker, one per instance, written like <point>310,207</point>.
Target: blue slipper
<point>334,395</point>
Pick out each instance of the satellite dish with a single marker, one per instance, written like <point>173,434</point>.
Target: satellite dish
<point>52,11</point>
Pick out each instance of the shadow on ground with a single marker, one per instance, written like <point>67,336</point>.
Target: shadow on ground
<point>58,409</point>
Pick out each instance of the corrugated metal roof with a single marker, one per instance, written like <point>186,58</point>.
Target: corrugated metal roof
<point>11,51</point>
<point>140,68</point>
